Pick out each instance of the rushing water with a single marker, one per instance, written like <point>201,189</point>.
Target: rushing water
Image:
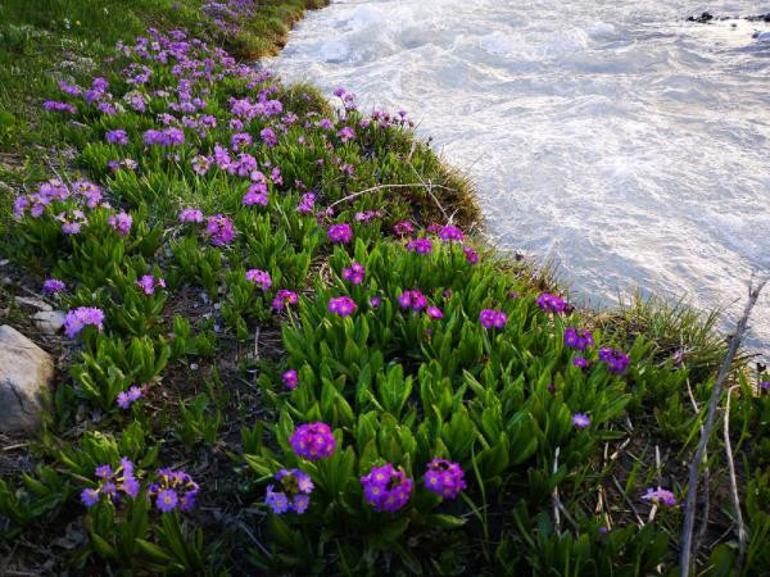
<point>613,137</point>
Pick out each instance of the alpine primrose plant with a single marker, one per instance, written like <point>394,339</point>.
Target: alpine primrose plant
<point>407,403</point>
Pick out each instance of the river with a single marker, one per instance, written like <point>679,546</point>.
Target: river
<point>613,138</point>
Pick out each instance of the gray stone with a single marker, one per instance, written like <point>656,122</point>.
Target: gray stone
<point>50,322</point>
<point>26,372</point>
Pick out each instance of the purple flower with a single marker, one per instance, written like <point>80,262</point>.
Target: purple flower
<point>173,489</point>
<point>306,203</point>
<point>268,137</point>
<point>190,215</point>
<point>660,497</point>
<point>149,284</point>
<point>343,306</point>
<point>354,274</point>
<point>294,494</point>
<point>313,441</point>
<point>580,362</point>
<point>290,379</point>
<point>260,278</point>
<point>127,398</point>
<point>420,245</point>
<point>121,222</point>
<point>493,319</point>
<point>445,478</point>
<point>256,194</point>
<point>579,339</point>
<point>403,228</point>
<point>471,256</point>
<point>581,420</point>
<point>340,233</point>
<point>616,360</point>
<point>346,134</point>
<point>412,299</point>
<point>551,303</point>
<point>451,233</point>
<point>284,298</point>
<point>387,488</point>
<point>77,319</point>
<point>53,286</point>
<point>166,500</point>
<point>118,136</point>
<point>220,229</point>
<point>434,313</point>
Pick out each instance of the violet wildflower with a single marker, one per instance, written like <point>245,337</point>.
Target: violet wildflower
<point>149,284</point>
<point>420,245</point>
<point>313,441</point>
<point>403,228</point>
<point>118,136</point>
<point>551,303</point>
<point>260,278</point>
<point>579,339</point>
<point>284,298</point>
<point>445,478</point>
<point>190,215</point>
<point>112,483</point>
<point>52,286</point>
<point>451,233</point>
<point>343,306</point>
<point>492,319</point>
<point>581,420</point>
<point>290,379</point>
<point>294,494</point>
<point>471,256</point>
<point>306,203</point>
<point>127,398</point>
<point>173,489</point>
<point>387,488</point>
<point>616,360</point>
<point>220,229</point>
<point>580,362</point>
<point>434,313</point>
<point>354,274</point>
<point>340,233</point>
<point>412,299</point>
<point>660,497</point>
<point>121,222</point>
<point>81,317</point>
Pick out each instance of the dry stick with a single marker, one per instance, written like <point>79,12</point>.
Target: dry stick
<point>734,485</point>
<point>716,393</point>
<point>384,187</point>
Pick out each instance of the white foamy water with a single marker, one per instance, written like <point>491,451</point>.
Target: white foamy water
<point>619,140</point>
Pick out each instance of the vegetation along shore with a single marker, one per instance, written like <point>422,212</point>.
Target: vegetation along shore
<point>270,341</point>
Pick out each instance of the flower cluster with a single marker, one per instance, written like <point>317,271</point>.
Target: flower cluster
<point>579,339</point>
<point>551,303</point>
<point>493,319</point>
<point>293,494</point>
<point>616,361</point>
<point>313,441</point>
<point>445,478</point>
<point>260,278</point>
<point>343,306</point>
<point>173,489</point>
<point>81,317</point>
<point>111,483</point>
<point>387,488</point>
<point>127,398</point>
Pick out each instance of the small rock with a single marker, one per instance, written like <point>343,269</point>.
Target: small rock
<point>26,372</point>
<point>50,322</point>
<point>34,303</point>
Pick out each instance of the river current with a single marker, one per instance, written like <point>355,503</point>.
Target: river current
<point>613,138</point>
